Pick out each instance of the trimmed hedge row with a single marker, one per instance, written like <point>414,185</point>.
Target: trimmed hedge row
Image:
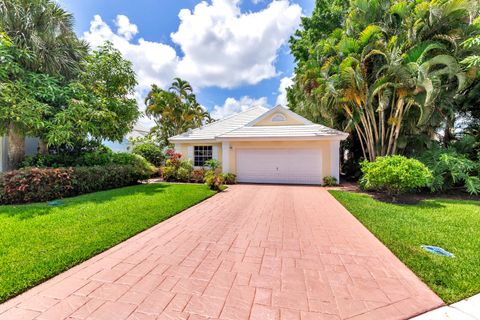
<point>44,184</point>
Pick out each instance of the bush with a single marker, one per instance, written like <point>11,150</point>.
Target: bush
<point>44,184</point>
<point>177,169</point>
<point>395,175</point>
<point>198,175</point>
<point>142,167</point>
<point>169,173</point>
<point>214,179</point>
<point>150,151</point>
<point>213,164</point>
<point>98,156</point>
<point>229,178</point>
<point>329,181</point>
<point>451,169</point>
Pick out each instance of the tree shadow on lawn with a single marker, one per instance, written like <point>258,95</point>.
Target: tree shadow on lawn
<point>32,210</point>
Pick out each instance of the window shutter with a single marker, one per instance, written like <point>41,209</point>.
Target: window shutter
<point>215,152</point>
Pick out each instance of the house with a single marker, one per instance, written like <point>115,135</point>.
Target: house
<point>263,145</point>
<point>31,147</point>
<point>138,131</point>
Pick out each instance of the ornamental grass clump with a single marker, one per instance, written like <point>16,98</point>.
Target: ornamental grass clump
<point>395,175</point>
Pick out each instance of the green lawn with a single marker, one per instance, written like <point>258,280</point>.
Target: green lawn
<point>38,241</point>
<point>451,224</point>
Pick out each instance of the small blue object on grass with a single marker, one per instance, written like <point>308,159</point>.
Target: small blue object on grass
<point>438,251</point>
<point>55,203</point>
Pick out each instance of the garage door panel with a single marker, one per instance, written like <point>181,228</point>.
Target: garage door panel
<point>301,166</point>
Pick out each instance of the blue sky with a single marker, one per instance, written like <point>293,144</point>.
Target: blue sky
<point>234,52</point>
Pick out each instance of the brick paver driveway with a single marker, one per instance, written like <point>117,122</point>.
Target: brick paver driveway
<point>258,252</point>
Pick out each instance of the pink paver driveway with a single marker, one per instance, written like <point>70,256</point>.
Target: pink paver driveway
<point>252,252</point>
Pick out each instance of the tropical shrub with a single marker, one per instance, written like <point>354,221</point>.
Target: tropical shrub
<point>150,151</point>
<point>213,164</point>
<point>184,171</point>
<point>142,167</point>
<point>176,169</point>
<point>214,179</point>
<point>395,175</point>
<point>452,169</point>
<point>229,178</point>
<point>329,181</point>
<point>168,173</point>
<point>198,175</point>
<point>44,184</point>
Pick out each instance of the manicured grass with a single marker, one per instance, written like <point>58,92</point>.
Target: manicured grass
<point>451,224</point>
<point>38,241</point>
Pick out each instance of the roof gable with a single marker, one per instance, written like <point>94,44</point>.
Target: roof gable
<point>279,116</point>
<point>217,128</point>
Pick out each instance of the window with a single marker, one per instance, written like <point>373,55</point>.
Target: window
<point>277,117</point>
<point>201,154</point>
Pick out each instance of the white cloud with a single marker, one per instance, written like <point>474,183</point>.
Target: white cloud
<point>153,62</point>
<point>226,48</point>
<point>125,28</point>
<point>232,106</point>
<point>282,90</point>
<point>221,46</point>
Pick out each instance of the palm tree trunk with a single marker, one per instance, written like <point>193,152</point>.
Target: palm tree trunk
<point>16,147</point>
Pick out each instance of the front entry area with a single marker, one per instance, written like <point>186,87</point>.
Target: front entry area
<point>287,166</point>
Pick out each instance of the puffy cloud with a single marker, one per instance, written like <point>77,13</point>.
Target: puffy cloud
<point>221,47</point>
<point>125,28</point>
<point>232,106</point>
<point>282,90</point>
<point>226,48</point>
<point>153,62</point>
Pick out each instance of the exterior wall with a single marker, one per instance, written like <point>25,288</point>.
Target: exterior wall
<point>186,149</point>
<point>31,148</point>
<point>3,154</point>
<point>290,121</point>
<point>323,145</point>
<point>329,149</point>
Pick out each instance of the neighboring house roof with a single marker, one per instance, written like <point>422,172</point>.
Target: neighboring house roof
<point>247,125</point>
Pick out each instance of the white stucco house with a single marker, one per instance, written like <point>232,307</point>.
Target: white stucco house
<point>263,145</point>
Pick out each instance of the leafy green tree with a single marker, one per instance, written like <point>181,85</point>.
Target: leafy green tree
<point>175,110</point>
<point>44,32</point>
<point>20,113</point>
<point>101,104</point>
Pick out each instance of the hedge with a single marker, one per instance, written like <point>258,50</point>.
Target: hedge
<point>44,184</point>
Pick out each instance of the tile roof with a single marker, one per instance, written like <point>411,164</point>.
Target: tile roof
<point>313,130</point>
<point>213,130</point>
<point>239,126</point>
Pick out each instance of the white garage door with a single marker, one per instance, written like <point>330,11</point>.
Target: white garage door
<point>298,166</point>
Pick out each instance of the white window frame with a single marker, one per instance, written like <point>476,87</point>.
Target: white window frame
<point>206,157</point>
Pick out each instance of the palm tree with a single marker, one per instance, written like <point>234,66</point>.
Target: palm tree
<point>175,110</point>
<point>388,78</point>
<point>45,30</point>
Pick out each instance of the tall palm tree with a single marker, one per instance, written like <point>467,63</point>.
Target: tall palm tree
<point>175,110</point>
<point>388,71</point>
<point>45,30</point>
